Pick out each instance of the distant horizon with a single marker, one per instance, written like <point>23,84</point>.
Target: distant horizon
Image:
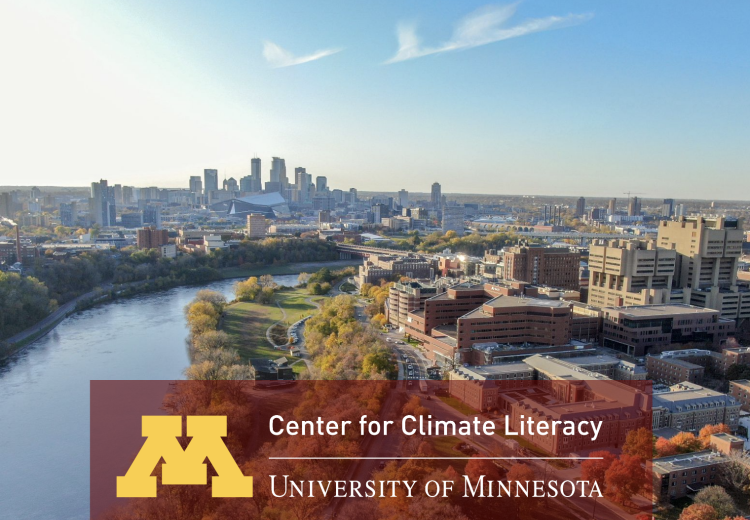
<point>426,194</point>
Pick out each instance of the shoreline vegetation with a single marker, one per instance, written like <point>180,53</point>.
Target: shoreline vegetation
<point>110,292</point>
<point>226,336</point>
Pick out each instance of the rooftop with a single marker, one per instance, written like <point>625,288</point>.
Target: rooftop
<point>667,309</point>
<point>688,461</point>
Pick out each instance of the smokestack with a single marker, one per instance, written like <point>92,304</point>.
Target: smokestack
<point>19,258</point>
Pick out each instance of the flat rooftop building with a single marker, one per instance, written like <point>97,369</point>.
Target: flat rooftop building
<point>636,330</point>
<point>679,475</point>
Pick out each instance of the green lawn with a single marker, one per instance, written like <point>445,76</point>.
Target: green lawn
<point>247,322</point>
<point>295,305</point>
<point>458,405</point>
<point>444,448</point>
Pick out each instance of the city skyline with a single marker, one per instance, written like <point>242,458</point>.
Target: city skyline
<point>457,93</point>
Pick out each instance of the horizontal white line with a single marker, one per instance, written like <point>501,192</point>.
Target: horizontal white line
<point>435,458</point>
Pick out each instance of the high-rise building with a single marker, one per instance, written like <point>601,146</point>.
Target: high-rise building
<point>321,183</point>
<point>634,207</point>
<point>196,185</point>
<point>99,203</point>
<point>246,183</point>
<point>353,195</point>
<point>667,208</point>
<point>278,172</point>
<point>453,219</point>
<point>210,180</point>
<point>553,266</point>
<point>257,183</point>
<point>302,181</point>
<point>708,252</point>
<point>580,207</point>
<point>118,195</point>
<point>612,206</point>
<point>231,185</point>
<point>68,214</point>
<point>127,195</point>
<point>630,272</point>
<point>403,198</point>
<point>152,215</point>
<point>151,238</point>
<point>436,197</point>
<point>6,205</point>
<point>256,225</point>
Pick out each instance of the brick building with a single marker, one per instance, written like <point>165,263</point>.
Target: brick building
<point>636,330</point>
<point>151,238</point>
<point>555,266</point>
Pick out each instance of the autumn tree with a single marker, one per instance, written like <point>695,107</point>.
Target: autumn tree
<point>639,443</point>
<point>686,442</point>
<point>699,512</point>
<point>476,467</point>
<point>201,317</point>
<point>664,447</point>
<point>624,478</point>
<point>247,290</point>
<point>595,468</point>
<point>718,498</point>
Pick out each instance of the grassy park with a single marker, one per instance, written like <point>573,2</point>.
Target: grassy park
<point>247,323</point>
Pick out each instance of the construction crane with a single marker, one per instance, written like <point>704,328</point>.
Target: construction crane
<point>628,193</point>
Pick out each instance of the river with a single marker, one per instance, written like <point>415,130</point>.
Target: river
<point>44,394</point>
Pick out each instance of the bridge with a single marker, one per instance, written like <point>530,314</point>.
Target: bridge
<point>347,251</point>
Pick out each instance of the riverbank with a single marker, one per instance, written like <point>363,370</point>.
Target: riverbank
<point>107,293</point>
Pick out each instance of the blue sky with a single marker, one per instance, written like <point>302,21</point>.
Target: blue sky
<point>608,97</point>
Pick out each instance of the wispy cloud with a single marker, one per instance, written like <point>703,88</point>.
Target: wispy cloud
<point>483,26</point>
<point>278,57</point>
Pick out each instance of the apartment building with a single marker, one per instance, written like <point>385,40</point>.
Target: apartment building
<point>670,371</point>
<point>554,266</point>
<point>151,238</point>
<point>629,272</point>
<point>256,225</point>
<point>680,475</point>
<point>636,330</point>
<point>740,390</point>
<point>689,407</point>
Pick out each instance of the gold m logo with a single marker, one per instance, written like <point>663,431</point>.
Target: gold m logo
<point>184,467</point>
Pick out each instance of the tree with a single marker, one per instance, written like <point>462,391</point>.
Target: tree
<point>595,470</point>
<point>476,467</point>
<point>685,442</point>
<point>215,298</point>
<point>705,434</point>
<point>62,231</point>
<point>212,339</point>
<point>664,448</point>
<point>624,478</point>
<point>718,498</point>
<point>266,281</point>
<point>735,474</point>
<point>248,290</point>
<point>23,302</point>
<point>699,512</point>
<point>303,278</point>
<point>639,443</point>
